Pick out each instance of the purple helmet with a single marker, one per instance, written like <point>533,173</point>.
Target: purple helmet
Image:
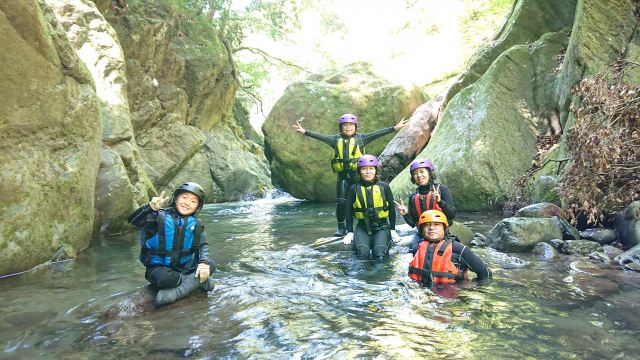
<point>368,160</point>
<point>348,118</point>
<point>417,164</point>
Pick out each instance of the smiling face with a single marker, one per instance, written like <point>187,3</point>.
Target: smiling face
<point>187,203</point>
<point>433,231</point>
<point>348,129</point>
<point>421,176</point>
<point>368,173</point>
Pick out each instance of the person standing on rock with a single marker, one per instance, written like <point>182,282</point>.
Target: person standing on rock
<point>441,260</point>
<point>174,246</point>
<point>369,201</point>
<point>430,195</point>
<point>348,147</point>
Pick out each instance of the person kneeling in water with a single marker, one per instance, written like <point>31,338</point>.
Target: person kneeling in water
<point>369,201</point>
<point>441,260</point>
<point>174,247</point>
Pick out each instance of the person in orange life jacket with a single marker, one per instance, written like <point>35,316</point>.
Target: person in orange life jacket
<point>430,195</point>
<point>441,260</point>
<point>369,201</point>
<point>174,247</point>
<point>348,147</point>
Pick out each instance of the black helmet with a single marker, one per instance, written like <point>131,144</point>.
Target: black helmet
<point>193,188</point>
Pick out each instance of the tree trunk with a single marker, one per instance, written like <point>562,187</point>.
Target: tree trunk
<point>410,140</point>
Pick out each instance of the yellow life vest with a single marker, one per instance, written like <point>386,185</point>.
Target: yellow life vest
<point>362,207</point>
<point>346,154</point>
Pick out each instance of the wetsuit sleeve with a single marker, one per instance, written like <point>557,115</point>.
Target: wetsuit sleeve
<point>392,209</point>
<point>203,251</point>
<point>369,137</point>
<point>411,217</point>
<point>144,217</point>
<point>472,261</point>
<point>446,203</point>
<point>327,139</point>
<point>351,198</point>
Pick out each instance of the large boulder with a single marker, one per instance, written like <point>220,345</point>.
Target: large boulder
<point>627,225</point>
<point>528,21</point>
<point>600,33</point>
<point>181,91</point>
<point>238,168</point>
<point>487,135</point>
<point>50,139</point>
<point>547,210</point>
<point>522,234</point>
<point>301,165</point>
<point>122,181</point>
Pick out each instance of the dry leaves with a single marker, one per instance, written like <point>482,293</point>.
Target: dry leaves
<point>604,147</point>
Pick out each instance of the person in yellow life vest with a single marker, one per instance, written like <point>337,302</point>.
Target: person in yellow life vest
<point>370,203</point>
<point>348,147</point>
<point>429,195</point>
<point>441,260</point>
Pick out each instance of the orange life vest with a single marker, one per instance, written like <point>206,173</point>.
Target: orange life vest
<point>432,264</point>
<point>426,202</point>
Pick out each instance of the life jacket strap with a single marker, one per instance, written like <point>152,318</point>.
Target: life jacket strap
<point>162,244</point>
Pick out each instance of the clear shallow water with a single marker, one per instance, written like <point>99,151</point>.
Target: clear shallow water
<point>284,294</point>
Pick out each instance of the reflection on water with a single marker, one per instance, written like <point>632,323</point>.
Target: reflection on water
<point>282,293</point>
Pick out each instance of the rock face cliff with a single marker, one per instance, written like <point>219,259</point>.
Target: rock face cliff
<point>50,148</point>
<point>103,109</point>
<point>519,88</point>
<point>181,91</point>
<point>301,165</point>
<point>122,182</point>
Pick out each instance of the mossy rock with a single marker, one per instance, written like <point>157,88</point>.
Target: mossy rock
<point>301,165</point>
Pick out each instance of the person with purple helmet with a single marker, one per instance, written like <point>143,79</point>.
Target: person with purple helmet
<point>348,147</point>
<point>369,201</point>
<point>430,195</point>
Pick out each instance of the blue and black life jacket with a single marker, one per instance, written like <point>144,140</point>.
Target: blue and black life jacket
<point>173,244</point>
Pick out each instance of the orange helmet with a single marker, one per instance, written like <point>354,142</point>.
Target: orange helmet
<point>433,216</point>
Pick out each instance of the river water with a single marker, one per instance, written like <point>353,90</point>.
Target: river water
<point>282,292</point>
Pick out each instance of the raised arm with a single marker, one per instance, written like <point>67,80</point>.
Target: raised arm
<point>327,139</point>
<point>369,137</point>
<point>446,202</point>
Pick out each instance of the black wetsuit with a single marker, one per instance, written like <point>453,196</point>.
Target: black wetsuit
<point>446,204</point>
<point>164,277</point>
<point>376,242</point>
<point>346,178</point>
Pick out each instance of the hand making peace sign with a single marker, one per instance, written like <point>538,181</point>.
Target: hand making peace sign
<point>297,126</point>
<point>157,202</point>
<point>402,209</point>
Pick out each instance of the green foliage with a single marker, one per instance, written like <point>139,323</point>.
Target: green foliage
<point>483,15</point>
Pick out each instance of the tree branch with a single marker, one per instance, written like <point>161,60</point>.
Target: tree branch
<point>268,56</point>
<point>256,99</point>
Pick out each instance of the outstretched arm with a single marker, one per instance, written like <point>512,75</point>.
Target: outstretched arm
<point>327,139</point>
<point>369,137</point>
